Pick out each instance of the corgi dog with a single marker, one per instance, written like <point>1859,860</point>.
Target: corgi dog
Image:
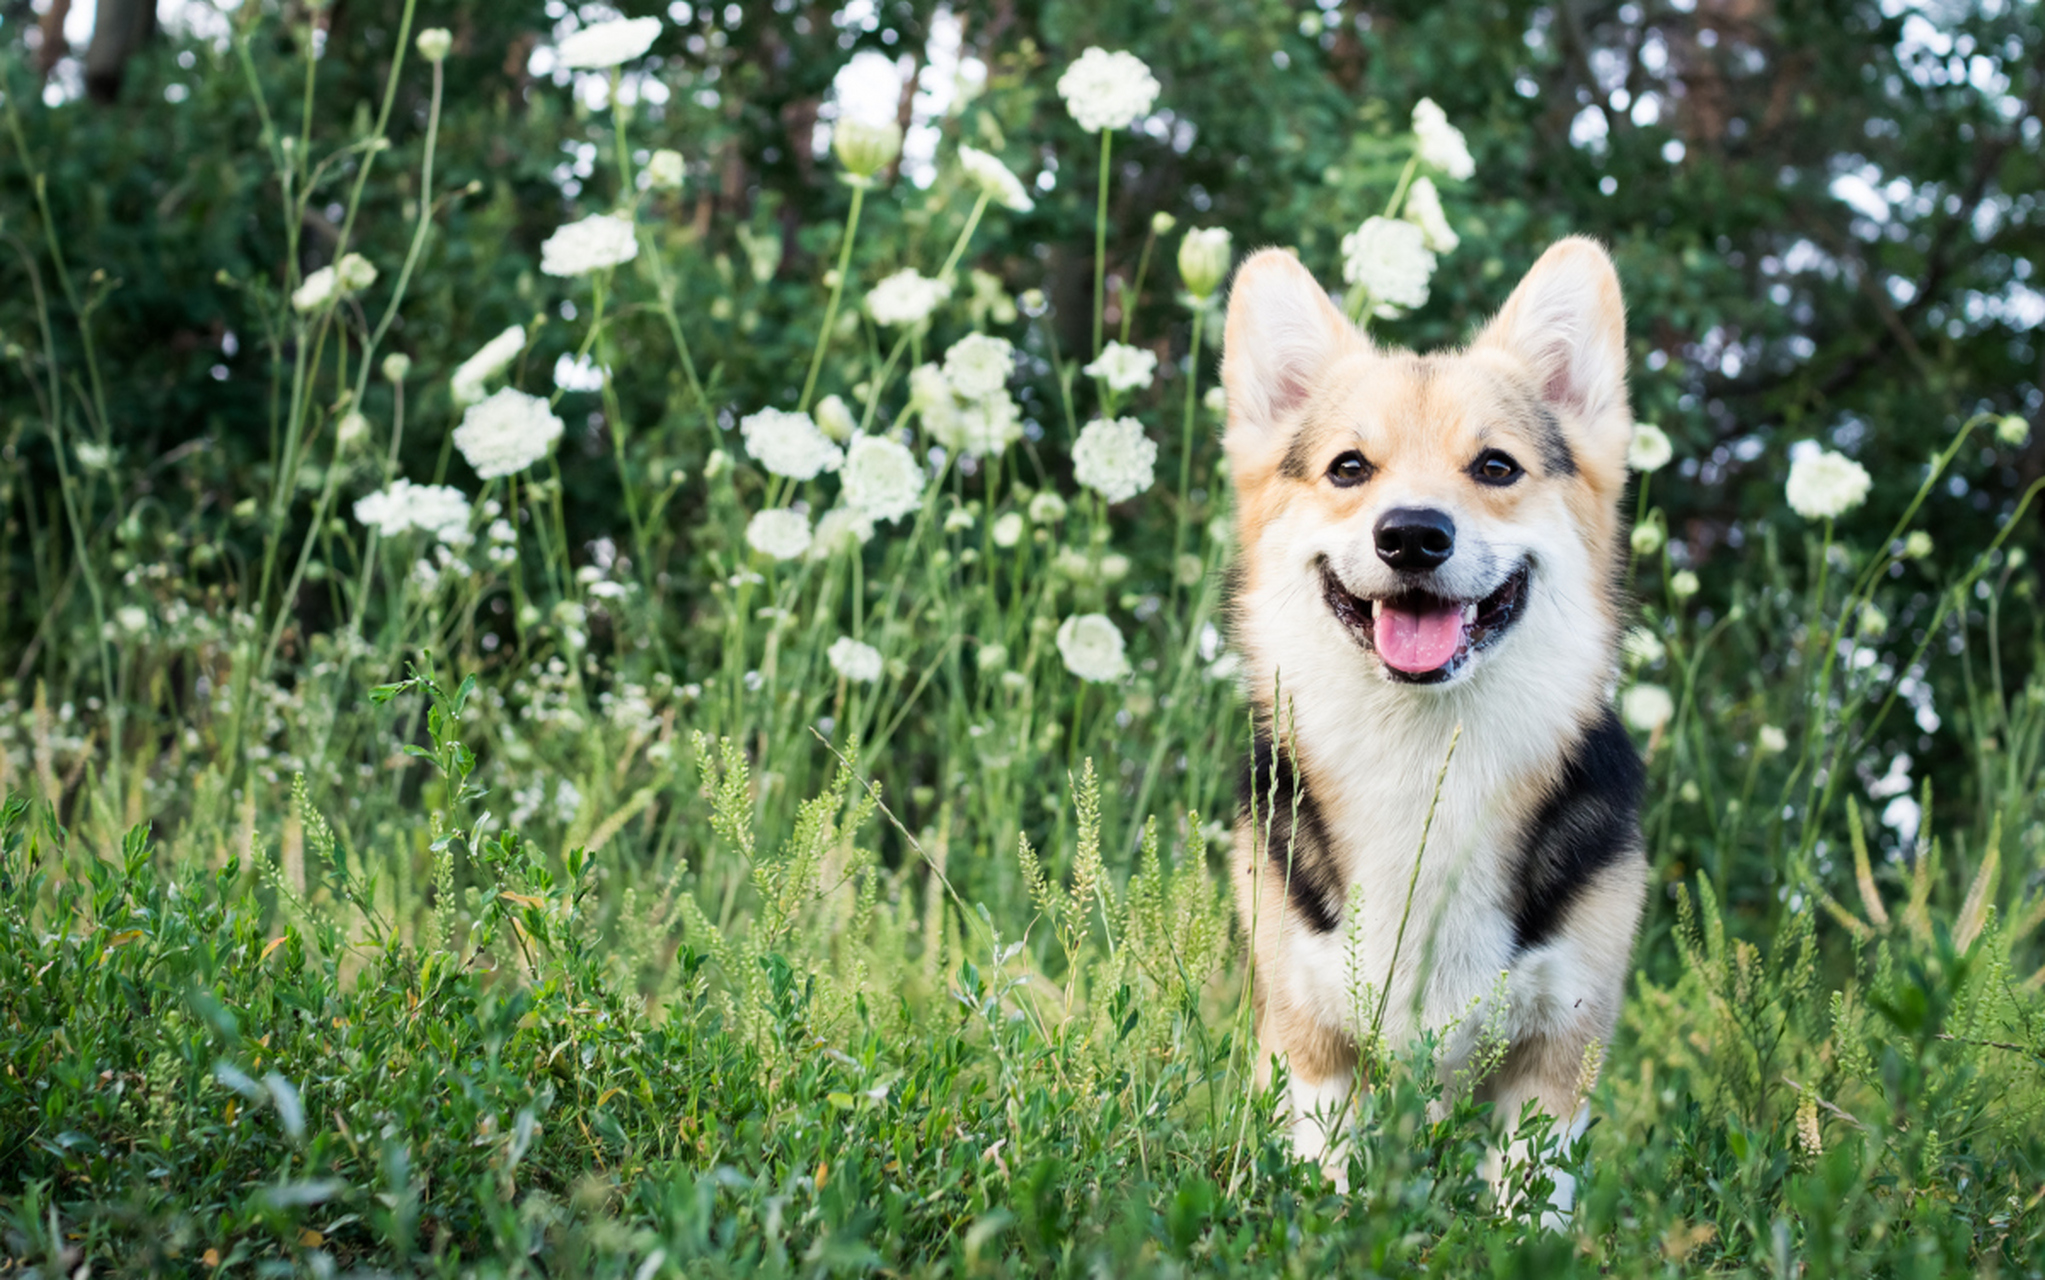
<point>1429,560</point>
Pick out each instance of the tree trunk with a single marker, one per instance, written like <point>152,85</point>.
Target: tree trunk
<point>121,28</point>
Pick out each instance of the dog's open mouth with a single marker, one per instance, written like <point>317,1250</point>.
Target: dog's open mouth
<point>1424,638</point>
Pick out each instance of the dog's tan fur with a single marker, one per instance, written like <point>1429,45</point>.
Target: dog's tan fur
<point>1545,383</point>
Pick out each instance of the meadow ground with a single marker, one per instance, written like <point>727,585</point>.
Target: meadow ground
<point>815,866</point>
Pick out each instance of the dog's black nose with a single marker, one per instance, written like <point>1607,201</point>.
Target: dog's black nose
<point>1415,539</point>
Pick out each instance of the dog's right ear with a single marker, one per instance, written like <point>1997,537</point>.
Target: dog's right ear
<point>1282,331</point>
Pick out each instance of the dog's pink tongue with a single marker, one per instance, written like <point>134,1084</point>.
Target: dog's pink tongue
<point>1417,642</point>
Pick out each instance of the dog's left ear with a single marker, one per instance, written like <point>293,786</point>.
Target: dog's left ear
<point>1567,324</point>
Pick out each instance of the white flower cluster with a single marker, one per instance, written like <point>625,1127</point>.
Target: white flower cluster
<point>965,406</point>
<point>1123,367</point>
<point>996,180</point>
<point>840,529</point>
<point>1390,260</point>
<point>789,444</point>
<point>603,45</point>
<point>1092,647</point>
<point>1827,484</point>
<point>779,532</point>
<point>882,479</point>
<point>1647,707</point>
<point>506,433</point>
<point>905,298</point>
<point>1441,143</point>
<point>595,243</point>
<point>469,376</point>
<point>1106,90</point>
<point>1114,458</point>
<point>835,417</point>
<point>437,508</point>
<point>1423,209</point>
<point>664,170</point>
<point>855,660</point>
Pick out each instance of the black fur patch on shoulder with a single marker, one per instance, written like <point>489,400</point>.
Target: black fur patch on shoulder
<point>1293,830</point>
<point>1590,820</point>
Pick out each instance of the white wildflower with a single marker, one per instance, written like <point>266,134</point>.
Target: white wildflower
<point>506,433</point>
<point>959,519</point>
<point>1441,143</point>
<point>1647,707</point>
<point>978,365</point>
<point>1092,647</point>
<point>1683,584</point>
<point>789,444</point>
<point>855,660</point>
<point>1824,485</point>
<point>132,618</point>
<point>1008,529</point>
<point>1423,209</point>
<point>1205,255</point>
<point>94,457</point>
<point>1647,538</point>
<point>1047,508</point>
<point>1390,260</point>
<point>1114,458</point>
<point>592,244</point>
<point>931,398</point>
<point>1771,741</point>
<point>603,45</point>
<point>1106,90</point>
<point>664,170</point>
<point>396,366</point>
<point>983,428</point>
<point>995,180</point>
<point>835,418</point>
<point>2013,430</point>
<point>318,290</point>
<point>470,375</point>
<point>1917,545</point>
<point>1215,401</point>
<point>779,532</point>
<point>841,529</point>
<point>440,509</point>
<point>1650,449</point>
<point>1123,367</point>
<point>433,43</point>
<point>905,298</point>
<point>1643,648</point>
<point>882,480</point>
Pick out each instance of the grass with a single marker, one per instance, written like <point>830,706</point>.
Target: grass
<point>545,900</point>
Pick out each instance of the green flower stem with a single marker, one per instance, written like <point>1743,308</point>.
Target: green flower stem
<point>1142,270</point>
<point>958,249</point>
<point>816,359</point>
<point>1186,447</point>
<point>1101,242</point>
<point>1405,181</point>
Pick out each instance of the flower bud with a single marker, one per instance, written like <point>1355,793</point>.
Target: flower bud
<point>865,149</point>
<point>834,417</point>
<point>354,273</point>
<point>434,42</point>
<point>1647,539</point>
<point>2013,430</point>
<point>1683,585</point>
<point>395,366</point>
<point>664,170</point>
<point>1204,260</point>
<point>1161,223</point>
<point>1917,545</point>
<point>351,430</point>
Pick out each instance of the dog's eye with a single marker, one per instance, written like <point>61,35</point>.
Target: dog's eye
<point>1349,469</point>
<point>1495,467</point>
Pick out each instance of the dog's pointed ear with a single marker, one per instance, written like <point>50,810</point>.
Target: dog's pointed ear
<point>1282,330</point>
<point>1566,323</point>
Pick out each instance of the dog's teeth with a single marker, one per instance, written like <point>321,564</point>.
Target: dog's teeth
<point>1469,613</point>
<point>1376,607</point>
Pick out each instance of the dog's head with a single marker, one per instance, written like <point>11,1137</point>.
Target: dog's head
<point>1428,515</point>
